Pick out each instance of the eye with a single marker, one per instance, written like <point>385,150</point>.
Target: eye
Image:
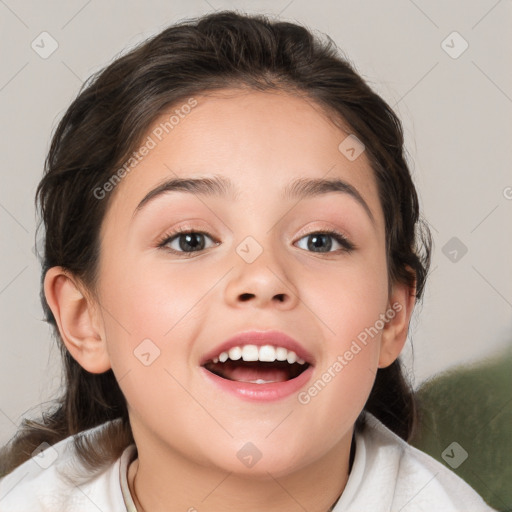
<point>322,241</point>
<point>185,241</point>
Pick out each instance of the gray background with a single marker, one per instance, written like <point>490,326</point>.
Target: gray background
<point>456,114</point>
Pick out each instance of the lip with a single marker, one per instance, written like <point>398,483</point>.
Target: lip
<point>260,338</point>
<point>260,392</point>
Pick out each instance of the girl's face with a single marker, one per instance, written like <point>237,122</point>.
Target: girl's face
<point>258,262</point>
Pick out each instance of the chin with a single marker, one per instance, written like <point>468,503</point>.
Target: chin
<point>262,460</point>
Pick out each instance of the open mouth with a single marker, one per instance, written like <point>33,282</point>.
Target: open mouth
<point>258,365</point>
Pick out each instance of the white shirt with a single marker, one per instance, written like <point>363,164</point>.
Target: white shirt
<point>387,475</point>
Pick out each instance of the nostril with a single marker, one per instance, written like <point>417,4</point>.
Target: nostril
<point>281,297</point>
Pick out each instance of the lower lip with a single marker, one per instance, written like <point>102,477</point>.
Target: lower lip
<point>260,392</point>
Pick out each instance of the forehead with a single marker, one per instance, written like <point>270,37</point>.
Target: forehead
<point>260,141</point>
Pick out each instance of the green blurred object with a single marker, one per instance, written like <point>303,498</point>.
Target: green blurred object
<point>471,406</point>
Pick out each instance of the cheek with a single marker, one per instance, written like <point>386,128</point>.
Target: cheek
<point>149,324</point>
<point>151,299</point>
<point>347,297</point>
<point>348,303</point>
<point>153,314</point>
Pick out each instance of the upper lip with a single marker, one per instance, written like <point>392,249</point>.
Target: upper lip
<point>259,338</point>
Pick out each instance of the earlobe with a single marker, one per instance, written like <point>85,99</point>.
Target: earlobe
<point>398,314</point>
<point>78,319</point>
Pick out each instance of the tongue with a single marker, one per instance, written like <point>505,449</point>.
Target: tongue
<point>253,371</point>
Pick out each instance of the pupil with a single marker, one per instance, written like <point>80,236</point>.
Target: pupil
<point>190,239</point>
<point>317,240</point>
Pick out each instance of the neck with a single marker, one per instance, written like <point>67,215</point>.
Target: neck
<point>193,487</point>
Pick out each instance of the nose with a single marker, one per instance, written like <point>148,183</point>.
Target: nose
<point>262,283</point>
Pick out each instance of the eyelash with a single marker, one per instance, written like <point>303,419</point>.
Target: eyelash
<point>347,245</point>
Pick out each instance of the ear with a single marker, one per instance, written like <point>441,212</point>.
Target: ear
<point>78,319</point>
<point>394,334</point>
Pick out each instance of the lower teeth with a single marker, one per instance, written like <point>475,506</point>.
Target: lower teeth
<point>261,381</point>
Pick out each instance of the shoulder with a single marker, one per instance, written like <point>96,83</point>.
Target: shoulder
<point>55,480</point>
<point>389,474</point>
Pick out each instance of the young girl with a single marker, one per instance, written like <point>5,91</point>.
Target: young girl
<point>233,253</point>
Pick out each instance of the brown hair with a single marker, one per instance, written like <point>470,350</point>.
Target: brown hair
<point>105,124</point>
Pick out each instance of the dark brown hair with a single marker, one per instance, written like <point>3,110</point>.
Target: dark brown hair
<point>106,123</point>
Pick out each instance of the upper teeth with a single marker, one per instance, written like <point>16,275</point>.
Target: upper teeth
<point>265,353</point>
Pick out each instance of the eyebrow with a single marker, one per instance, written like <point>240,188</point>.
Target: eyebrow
<point>221,186</point>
